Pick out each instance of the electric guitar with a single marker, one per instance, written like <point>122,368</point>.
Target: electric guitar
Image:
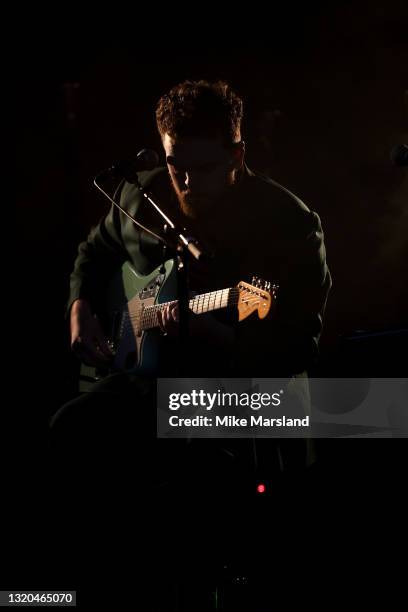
<point>133,302</point>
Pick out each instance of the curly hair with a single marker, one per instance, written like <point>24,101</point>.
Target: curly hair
<point>195,109</point>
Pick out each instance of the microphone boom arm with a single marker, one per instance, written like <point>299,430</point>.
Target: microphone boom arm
<point>188,243</point>
<point>145,229</point>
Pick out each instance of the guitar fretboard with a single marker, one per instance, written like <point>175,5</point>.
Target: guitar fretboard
<point>206,302</point>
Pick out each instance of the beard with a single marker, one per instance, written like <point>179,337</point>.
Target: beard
<point>199,205</point>
<point>195,207</point>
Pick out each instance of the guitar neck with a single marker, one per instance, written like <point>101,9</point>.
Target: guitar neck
<point>200,304</point>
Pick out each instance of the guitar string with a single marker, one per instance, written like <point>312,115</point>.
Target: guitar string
<point>208,302</point>
<point>152,310</point>
<point>213,300</point>
<point>150,318</point>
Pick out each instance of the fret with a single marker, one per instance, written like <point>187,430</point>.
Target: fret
<point>192,305</point>
<point>207,302</point>
<point>219,299</point>
<point>214,297</point>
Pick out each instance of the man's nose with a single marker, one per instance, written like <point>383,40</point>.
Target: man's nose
<point>192,179</point>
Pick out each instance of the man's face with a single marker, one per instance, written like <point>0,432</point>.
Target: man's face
<point>201,171</point>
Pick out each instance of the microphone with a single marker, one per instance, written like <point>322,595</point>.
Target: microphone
<point>399,155</point>
<point>146,159</point>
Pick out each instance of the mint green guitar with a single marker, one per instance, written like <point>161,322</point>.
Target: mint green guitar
<point>132,304</point>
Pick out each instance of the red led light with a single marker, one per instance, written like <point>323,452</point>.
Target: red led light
<point>261,488</point>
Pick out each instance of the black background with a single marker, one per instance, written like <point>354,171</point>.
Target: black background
<point>326,98</point>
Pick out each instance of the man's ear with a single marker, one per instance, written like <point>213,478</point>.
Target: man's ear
<point>238,154</point>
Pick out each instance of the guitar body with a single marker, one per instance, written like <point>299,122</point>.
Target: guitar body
<point>128,295</point>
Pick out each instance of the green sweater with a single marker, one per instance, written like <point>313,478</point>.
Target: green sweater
<point>262,229</point>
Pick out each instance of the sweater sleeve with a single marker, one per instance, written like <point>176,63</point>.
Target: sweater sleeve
<point>98,257</point>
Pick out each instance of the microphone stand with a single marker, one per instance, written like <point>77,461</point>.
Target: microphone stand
<point>187,246</point>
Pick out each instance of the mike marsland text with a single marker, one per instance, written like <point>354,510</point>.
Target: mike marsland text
<point>233,421</point>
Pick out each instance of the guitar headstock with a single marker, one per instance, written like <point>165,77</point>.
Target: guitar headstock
<point>259,295</point>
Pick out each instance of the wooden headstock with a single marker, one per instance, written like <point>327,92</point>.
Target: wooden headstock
<point>258,295</point>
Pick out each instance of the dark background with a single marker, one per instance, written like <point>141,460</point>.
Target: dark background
<point>326,98</point>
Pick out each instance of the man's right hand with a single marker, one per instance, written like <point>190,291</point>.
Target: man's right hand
<point>88,341</point>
